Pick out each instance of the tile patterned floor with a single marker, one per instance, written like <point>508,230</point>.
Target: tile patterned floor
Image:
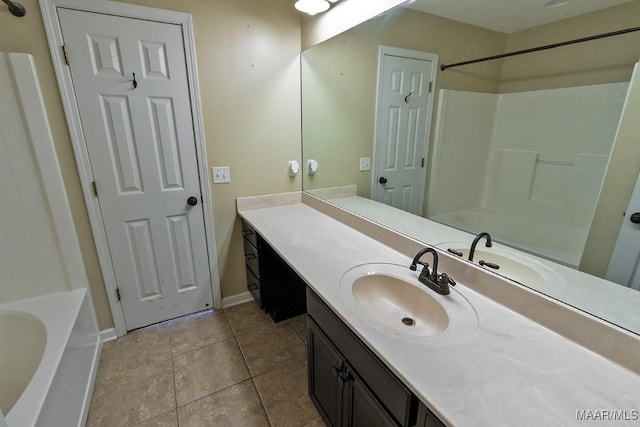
<point>232,367</point>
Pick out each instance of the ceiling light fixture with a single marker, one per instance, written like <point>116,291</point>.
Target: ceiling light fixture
<point>312,7</point>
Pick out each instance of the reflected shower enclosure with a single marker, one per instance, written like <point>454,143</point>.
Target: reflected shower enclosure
<point>528,166</point>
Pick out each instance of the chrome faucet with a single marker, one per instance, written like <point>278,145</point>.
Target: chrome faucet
<point>475,243</point>
<point>438,282</point>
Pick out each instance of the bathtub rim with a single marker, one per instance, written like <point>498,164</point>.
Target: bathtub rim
<point>571,260</point>
<point>35,344</point>
<point>58,311</point>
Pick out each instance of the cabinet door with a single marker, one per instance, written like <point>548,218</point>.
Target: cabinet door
<point>427,419</point>
<point>325,384</point>
<point>365,408</point>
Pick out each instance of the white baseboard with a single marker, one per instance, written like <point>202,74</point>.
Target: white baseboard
<point>108,335</point>
<point>236,299</point>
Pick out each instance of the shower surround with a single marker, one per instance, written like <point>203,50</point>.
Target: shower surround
<point>508,163</point>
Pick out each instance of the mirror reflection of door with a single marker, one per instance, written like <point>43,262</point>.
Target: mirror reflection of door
<point>403,115</point>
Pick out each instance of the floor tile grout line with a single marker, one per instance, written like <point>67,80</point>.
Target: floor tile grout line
<point>215,392</point>
<point>173,378</point>
<point>106,379</point>
<point>196,317</point>
<point>224,388</point>
<point>201,348</point>
<point>277,366</point>
<point>264,408</point>
<point>155,416</point>
<point>244,357</point>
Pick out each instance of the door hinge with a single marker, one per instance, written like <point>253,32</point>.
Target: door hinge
<point>95,188</point>
<point>66,54</point>
<point>422,163</point>
<point>430,86</point>
<point>118,294</point>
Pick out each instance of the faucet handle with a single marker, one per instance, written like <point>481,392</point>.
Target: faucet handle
<point>425,269</point>
<point>445,279</point>
<point>414,266</point>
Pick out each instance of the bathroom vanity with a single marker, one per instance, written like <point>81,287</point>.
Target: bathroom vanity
<point>348,384</point>
<point>275,287</point>
<point>487,364</point>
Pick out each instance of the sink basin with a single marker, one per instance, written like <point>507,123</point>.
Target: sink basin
<point>513,265</point>
<point>390,297</point>
<point>400,305</point>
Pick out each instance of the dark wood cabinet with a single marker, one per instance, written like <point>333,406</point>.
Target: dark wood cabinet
<point>252,267</point>
<point>365,408</point>
<point>348,384</point>
<point>325,383</point>
<point>426,418</point>
<point>341,397</point>
<point>276,288</point>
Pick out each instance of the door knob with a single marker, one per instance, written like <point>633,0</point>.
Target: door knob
<point>382,180</point>
<point>635,218</point>
<point>192,201</point>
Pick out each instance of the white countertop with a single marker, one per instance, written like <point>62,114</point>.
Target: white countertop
<point>511,372</point>
<point>607,300</point>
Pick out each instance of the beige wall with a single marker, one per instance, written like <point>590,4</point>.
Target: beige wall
<point>606,60</point>
<point>249,77</point>
<point>340,79</point>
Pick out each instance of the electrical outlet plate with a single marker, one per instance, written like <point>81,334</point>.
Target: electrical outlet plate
<point>221,175</point>
<point>365,164</point>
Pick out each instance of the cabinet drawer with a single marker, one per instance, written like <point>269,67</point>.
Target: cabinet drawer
<point>249,233</point>
<point>251,257</point>
<point>253,285</point>
<point>397,398</point>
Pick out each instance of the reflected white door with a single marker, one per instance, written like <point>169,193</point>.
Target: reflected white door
<point>404,108</point>
<point>140,139</point>
<point>625,260</point>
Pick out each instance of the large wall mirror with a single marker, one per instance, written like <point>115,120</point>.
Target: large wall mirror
<point>529,148</point>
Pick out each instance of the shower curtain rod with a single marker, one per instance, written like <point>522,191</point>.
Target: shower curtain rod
<point>539,48</point>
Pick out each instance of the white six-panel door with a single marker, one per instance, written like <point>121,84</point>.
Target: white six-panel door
<point>402,129</point>
<point>140,140</point>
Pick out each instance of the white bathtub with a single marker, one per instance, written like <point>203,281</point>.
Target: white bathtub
<point>50,348</point>
<point>551,241</point>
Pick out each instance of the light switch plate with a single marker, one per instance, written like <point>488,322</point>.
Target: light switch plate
<point>365,164</point>
<point>221,175</point>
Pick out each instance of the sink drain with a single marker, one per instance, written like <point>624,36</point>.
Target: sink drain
<point>408,321</point>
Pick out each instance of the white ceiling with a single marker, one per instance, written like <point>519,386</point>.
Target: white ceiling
<point>509,16</point>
